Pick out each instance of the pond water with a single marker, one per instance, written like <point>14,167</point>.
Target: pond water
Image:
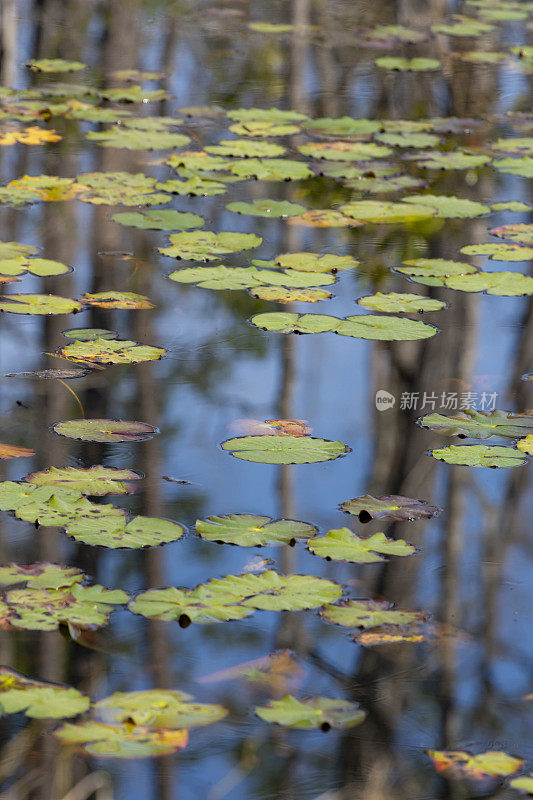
<point>453,677</point>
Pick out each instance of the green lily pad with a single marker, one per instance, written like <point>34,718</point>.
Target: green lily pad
<point>120,188</point>
<point>222,278</point>
<point>110,351</point>
<point>134,94</point>
<point>193,186</point>
<point>449,207</point>
<point>208,246</point>
<point>265,208</point>
<point>456,159</point>
<point>368,614</point>
<point>342,544</point>
<point>378,211</point>
<point>523,167</point>
<point>272,169</point>
<point>515,206</point>
<point>388,329</point>
<point>344,151</point>
<point>15,250</point>
<point>521,232</point>
<point>271,449</point>
<point>40,576</point>
<point>479,455</point>
<point>55,65</point>
<point>479,424</point>
<point>313,262</point>
<point>42,267</point>
<point>58,505</point>
<point>125,300</point>
<point>281,294</point>
<point>89,334</point>
<point>274,114</point>
<point>94,481</point>
<point>105,430</point>
<point>507,284</point>
<point>270,27</point>
<point>385,185</point>
<point>408,139</point>
<point>263,127</point>
<point>38,699</point>
<point>200,161</point>
<point>158,220</point>
<point>502,14</point>
<point>43,304</point>
<point>137,139</point>
<point>396,32</point>
<point>201,605</point>
<point>341,126</point>
<point>524,783</point>
<point>463,26</point>
<point>317,712</point>
<point>323,218</point>
<point>269,591</point>
<point>408,64</point>
<point>245,148</point>
<point>519,145</point>
<point>248,530</point>
<point>158,709</point>
<point>498,251</point>
<point>87,607</point>
<point>435,268</point>
<point>393,302</point>
<point>121,741</point>
<point>482,57</point>
<point>114,531</point>
<point>391,507</point>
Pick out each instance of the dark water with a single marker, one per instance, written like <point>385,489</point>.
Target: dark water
<point>462,689</point>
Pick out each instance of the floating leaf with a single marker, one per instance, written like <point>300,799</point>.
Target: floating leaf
<point>266,208</point>
<point>45,609</point>
<point>110,351</point>
<point>136,75</point>
<point>121,741</point>
<point>393,302</point>
<point>284,449</point>
<point>40,576</point>
<point>313,262</point>
<point>519,145</point>
<point>435,267</point>
<point>270,27</point>
<point>499,252</point>
<point>463,26</point>
<point>482,57</point>
<point>479,424</point>
<point>396,32</point>
<point>275,114</point>
<point>89,334</point>
<point>14,250</point>
<point>500,283</point>
<point>368,614</point>
<point>38,699</point>
<point>344,151</point>
<point>42,267</point>
<point>526,445</point>
<point>159,220</point>
<point>14,451</point>
<point>317,712</point>
<point>342,544</point>
<point>342,126</point>
<point>457,159</point>
<point>378,211</point>
<point>201,605</point>
<point>223,278</point>
<point>408,64</point>
<point>94,481</point>
<point>269,591</point>
<point>409,139</point>
<point>391,507</point>
<point>516,206</point>
<point>264,127</point>
<point>521,232</point>
<point>158,709</point>
<point>208,246</point>
<point>131,138</point>
<point>479,455</point>
<point>39,304</point>
<point>449,207</point>
<point>524,783</point>
<point>272,169</point>
<point>55,65</point>
<point>522,167</point>
<point>389,329</point>
<point>124,188</point>
<point>134,94</point>
<point>248,530</point>
<point>280,294</point>
<point>114,531</point>
<point>126,300</point>
<point>32,136</point>
<point>491,764</point>
<point>105,430</point>
<point>323,218</point>
<point>244,148</point>
<point>195,185</point>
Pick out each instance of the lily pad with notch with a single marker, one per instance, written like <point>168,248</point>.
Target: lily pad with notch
<point>480,424</point>
<point>41,304</point>
<point>266,208</point>
<point>121,741</point>
<point>479,455</point>
<point>207,245</point>
<point>159,220</point>
<point>392,302</point>
<point>158,709</point>
<point>110,351</point>
<point>38,699</point>
<point>323,713</point>
<point>283,449</point>
<point>96,481</point>
<point>390,507</point>
<point>342,544</point>
<point>368,614</point>
<point>248,530</point>
<point>105,430</point>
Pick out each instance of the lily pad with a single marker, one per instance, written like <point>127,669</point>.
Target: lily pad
<point>456,159</point>
<point>37,699</point>
<point>272,169</point>
<point>263,127</point>
<point>131,138</point>
<point>265,208</point>
<point>125,188</point>
<point>201,605</point>
<point>223,278</point>
<point>245,148</point>
<point>498,251</point>
<point>479,424</point>
<point>342,544</point>
<point>114,531</point>
<point>281,294</point>
<point>208,246</point>
<point>274,114</point>
<point>463,26</point>
<point>521,232</point>
<point>393,302</point>
<point>43,304</point>
<point>55,65</point>
<point>159,220</point>
<point>526,445</point>
<point>408,64</point>
<point>449,207</point>
<point>507,284</point>
<point>125,300</point>
<point>368,614</point>
<point>341,126</point>
<point>110,351</point>
<point>408,139</point>
<point>121,741</point>
<point>105,430</point>
<point>524,783</point>
<point>269,591</point>
<point>248,530</point>
<point>94,481</point>
<point>378,211</point>
<point>323,218</point>
<point>479,455</point>
<point>42,267</point>
<point>344,151</point>
<point>284,449</point>
<point>388,329</point>
<point>40,576</point>
<point>523,167</point>
<point>391,507</point>
<point>491,764</point>
<point>317,712</point>
<point>313,262</point>
<point>157,709</point>
<point>435,268</point>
